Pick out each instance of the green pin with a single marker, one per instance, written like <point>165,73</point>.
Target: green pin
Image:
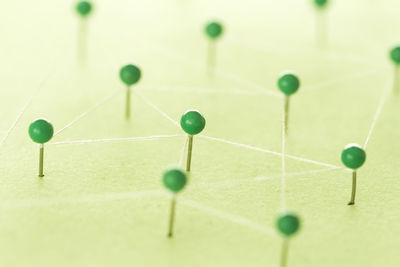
<point>320,22</point>
<point>130,75</point>
<point>395,57</point>
<point>288,83</point>
<point>320,3</point>
<point>192,122</point>
<point>83,9</point>
<point>213,31</point>
<point>41,131</point>
<point>353,157</point>
<point>288,224</point>
<point>174,180</point>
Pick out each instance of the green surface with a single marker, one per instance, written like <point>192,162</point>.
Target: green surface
<point>102,203</point>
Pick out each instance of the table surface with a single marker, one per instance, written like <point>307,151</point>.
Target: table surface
<point>101,202</point>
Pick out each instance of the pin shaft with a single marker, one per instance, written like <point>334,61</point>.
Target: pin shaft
<point>321,29</point>
<point>82,39</point>
<point>286,111</point>
<point>396,79</point>
<point>172,217</point>
<point>189,154</point>
<point>41,156</point>
<point>284,252</point>
<point>211,55</point>
<point>353,189</point>
<point>128,103</point>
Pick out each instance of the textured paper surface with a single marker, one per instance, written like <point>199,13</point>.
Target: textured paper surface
<point>102,203</point>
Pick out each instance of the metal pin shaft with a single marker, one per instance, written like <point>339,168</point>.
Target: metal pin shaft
<point>211,55</point>
<point>82,39</point>
<point>286,110</point>
<point>321,29</point>
<point>396,79</point>
<point>41,155</point>
<point>128,103</point>
<point>353,189</point>
<point>172,217</point>
<point>284,253</point>
<point>189,154</point>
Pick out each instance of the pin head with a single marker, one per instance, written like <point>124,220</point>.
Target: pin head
<point>395,55</point>
<point>174,180</point>
<point>288,224</point>
<point>320,3</point>
<point>288,83</point>
<point>83,8</point>
<point>130,74</point>
<point>41,131</point>
<point>214,30</point>
<point>353,156</point>
<point>192,122</point>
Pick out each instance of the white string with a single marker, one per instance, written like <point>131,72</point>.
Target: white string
<point>135,195</point>
<point>121,196</point>
<point>234,77</point>
<point>226,141</point>
<point>229,217</point>
<point>283,178</point>
<point>298,173</point>
<point>165,115</point>
<point>81,116</point>
<point>344,79</point>
<point>183,152</point>
<point>166,51</point>
<point>200,90</point>
<point>377,113</point>
<point>81,200</point>
<point>245,82</point>
<point>110,140</point>
<point>269,151</point>
<point>233,182</point>
<point>328,54</point>
<point>30,99</point>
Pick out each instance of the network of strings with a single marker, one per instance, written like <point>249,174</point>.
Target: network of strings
<point>218,73</point>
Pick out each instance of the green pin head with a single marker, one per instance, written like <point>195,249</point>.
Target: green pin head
<point>353,156</point>
<point>192,122</point>
<point>174,180</point>
<point>395,55</point>
<point>288,83</point>
<point>130,74</point>
<point>320,3</point>
<point>41,131</point>
<point>288,224</point>
<point>213,30</point>
<point>83,8</point>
